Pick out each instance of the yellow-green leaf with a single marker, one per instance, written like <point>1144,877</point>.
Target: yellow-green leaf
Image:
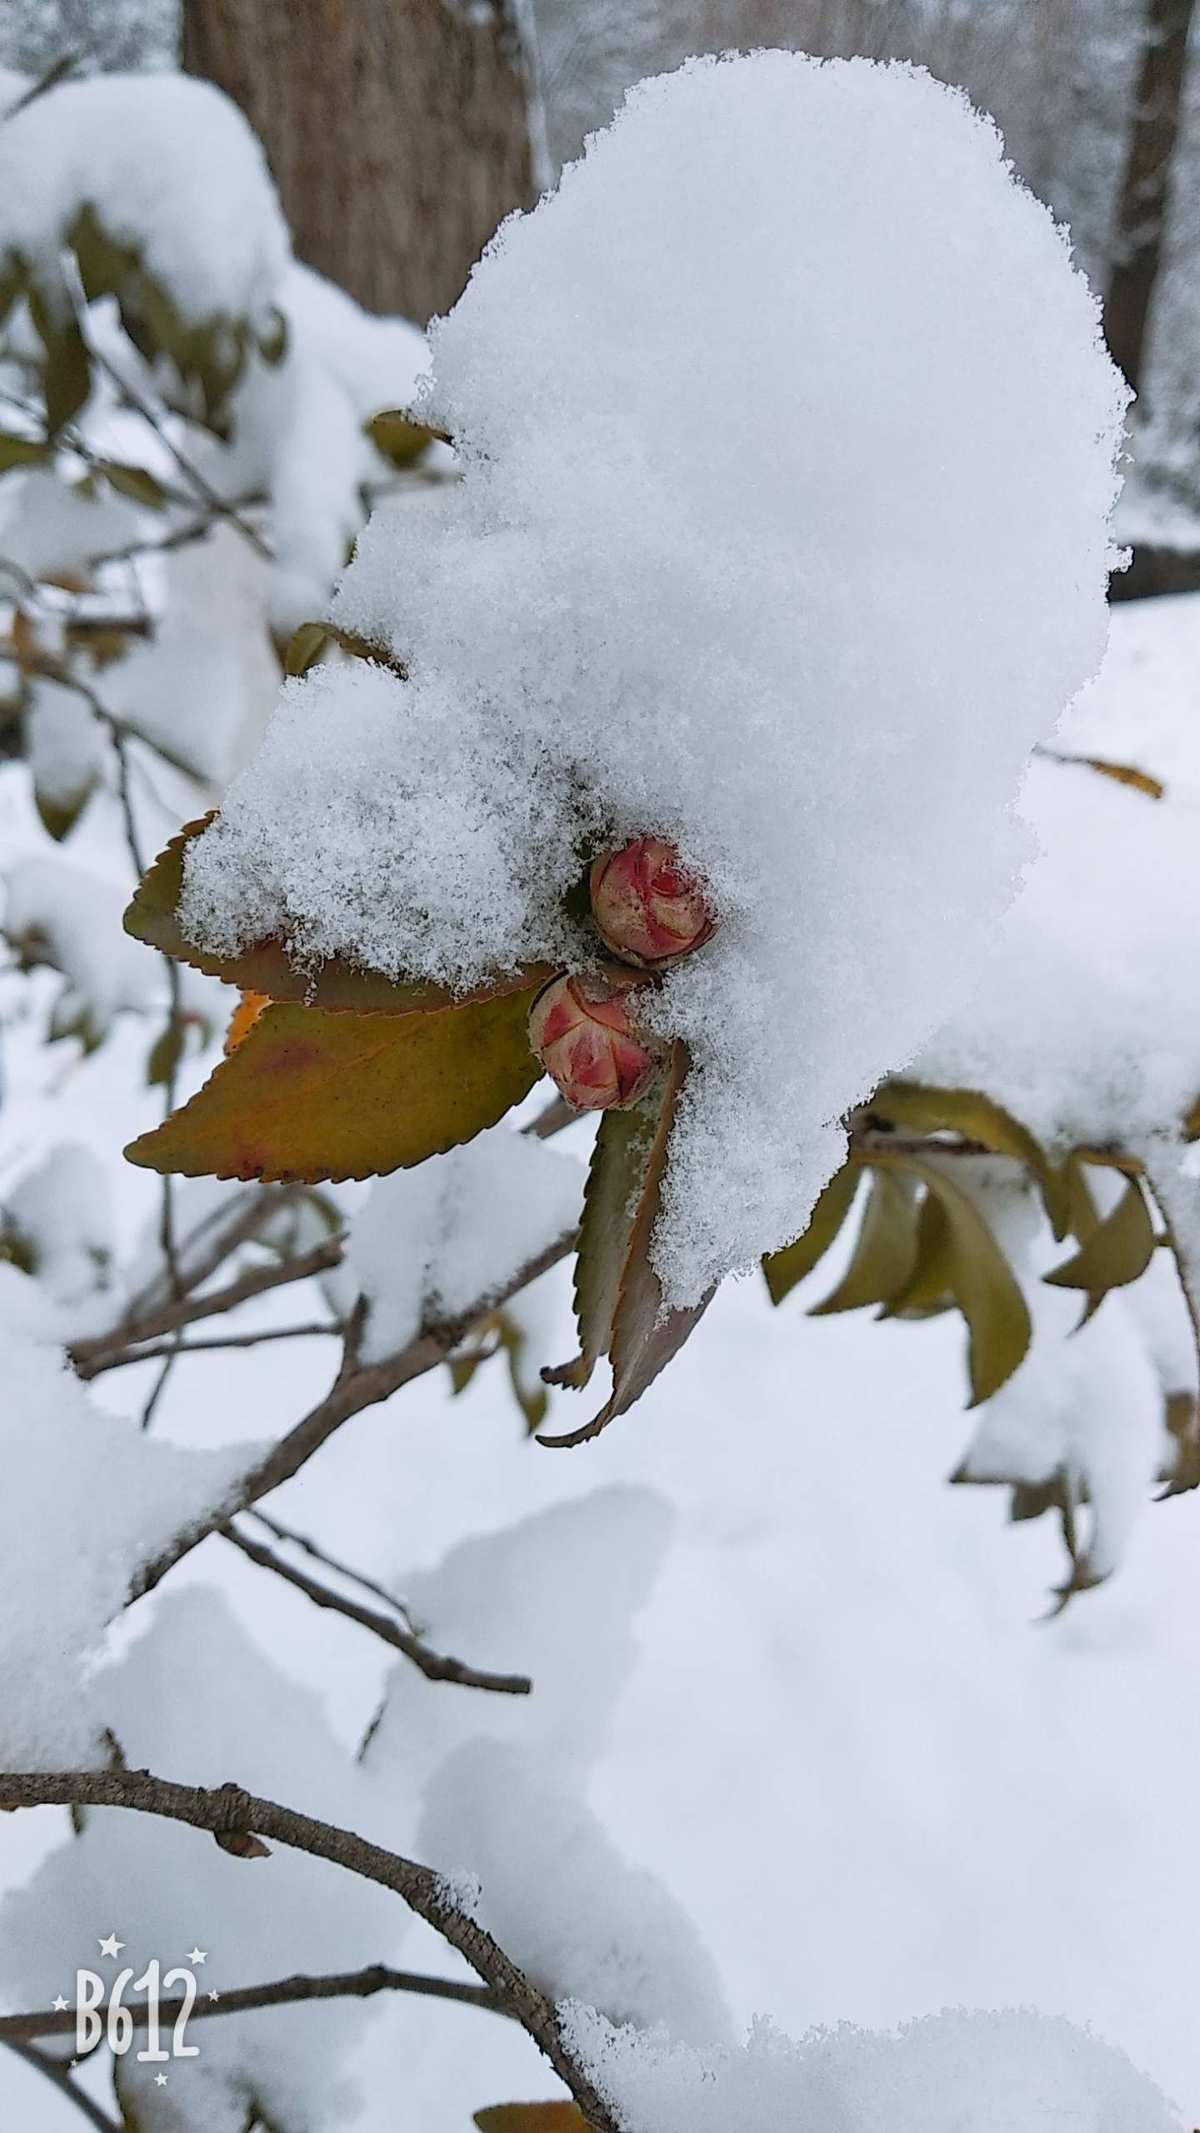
<point>929,1289</point>
<point>985,1288</point>
<point>785,1268</point>
<point>918,1108</point>
<point>22,452</point>
<point>1118,1250</point>
<point>310,1095</point>
<point>531,2118</point>
<point>885,1250</point>
<point>137,483</point>
<point>338,986</point>
<point>398,437</point>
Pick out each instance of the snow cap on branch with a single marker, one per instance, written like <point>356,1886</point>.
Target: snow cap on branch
<point>788,443</point>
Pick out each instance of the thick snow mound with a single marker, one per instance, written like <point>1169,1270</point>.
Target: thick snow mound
<point>789,447</point>
<point>958,2072</point>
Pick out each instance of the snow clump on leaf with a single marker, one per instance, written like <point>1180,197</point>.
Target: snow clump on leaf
<point>788,444</point>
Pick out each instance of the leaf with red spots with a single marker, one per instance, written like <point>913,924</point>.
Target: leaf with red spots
<point>311,1095</point>
<point>266,966</point>
<point>619,1302</point>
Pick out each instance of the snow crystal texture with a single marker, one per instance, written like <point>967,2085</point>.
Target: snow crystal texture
<point>788,444</point>
<point>958,2072</point>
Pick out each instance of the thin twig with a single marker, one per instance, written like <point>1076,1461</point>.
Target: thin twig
<point>284,1992</point>
<point>187,467</point>
<point>92,1356</point>
<point>434,1665</point>
<point>230,1812</point>
<point>57,71</point>
<point>357,1386</point>
<point>175,1345</point>
<point>321,1555</point>
<point>55,2072</point>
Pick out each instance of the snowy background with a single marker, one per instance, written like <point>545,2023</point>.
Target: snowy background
<point>810,1739</point>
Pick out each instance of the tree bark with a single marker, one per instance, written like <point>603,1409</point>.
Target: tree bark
<point>397,130</point>
<point>1139,230</point>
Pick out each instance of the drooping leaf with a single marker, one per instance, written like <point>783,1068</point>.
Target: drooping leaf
<point>624,1288</point>
<point>531,2118</point>
<point>885,1250</point>
<point>785,1268</point>
<point>166,1052</point>
<point>500,1334</point>
<point>615,1184</point>
<point>929,1288</point>
<point>1117,1252</point>
<point>311,1096</point>
<point>66,369</point>
<point>917,1108</point>
<point>985,1288</point>
<point>338,986</point>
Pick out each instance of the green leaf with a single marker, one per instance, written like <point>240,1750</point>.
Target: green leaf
<point>66,365</point>
<point>1117,1252</point>
<point>916,1108</point>
<point>310,1095</point>
<point>165,1053</point>
<point>398,437</point>
<point>622,1295</point>
<point>885,1251</point>
<point>137,483</point>
<point>23,452</point>
<point>984,1286</point>
<point>338,986</point>
<point>785,1268</point>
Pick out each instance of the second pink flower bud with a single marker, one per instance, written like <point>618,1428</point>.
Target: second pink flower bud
<point>582,1031</point>
<point>647,907</point>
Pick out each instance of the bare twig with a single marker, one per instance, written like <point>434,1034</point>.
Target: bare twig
<point>434,1665</point>
<point>321,1555</point>
<point>55,2072</point>
<point>92,1356</point>
<point>175,1346</point>
<point>228,1811</point>
<point>358,1386</point>
<point>187,467</point>
<point>284,1992</point>
<point>57,71</point>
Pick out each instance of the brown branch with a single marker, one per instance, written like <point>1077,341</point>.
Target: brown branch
<point>433,1665</point>
<point>90,1357</point>
<point>45,2063</point>
<point>359,1385</point>
<point>228,1812</point>
<point>284,1992</point>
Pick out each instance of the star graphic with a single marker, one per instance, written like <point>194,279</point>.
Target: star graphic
<point>197,1955</point>
<point>61,2005</point>
<point>111,1946</point>
<point>214,1996</point>
<point>160,2081</point>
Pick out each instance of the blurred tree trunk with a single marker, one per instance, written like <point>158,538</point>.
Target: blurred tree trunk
<point>397,130</point>
<point>1139,230</point>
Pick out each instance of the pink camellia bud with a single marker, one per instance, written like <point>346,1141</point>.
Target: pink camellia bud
<point>582,1031</point>
<point>646,906</point>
